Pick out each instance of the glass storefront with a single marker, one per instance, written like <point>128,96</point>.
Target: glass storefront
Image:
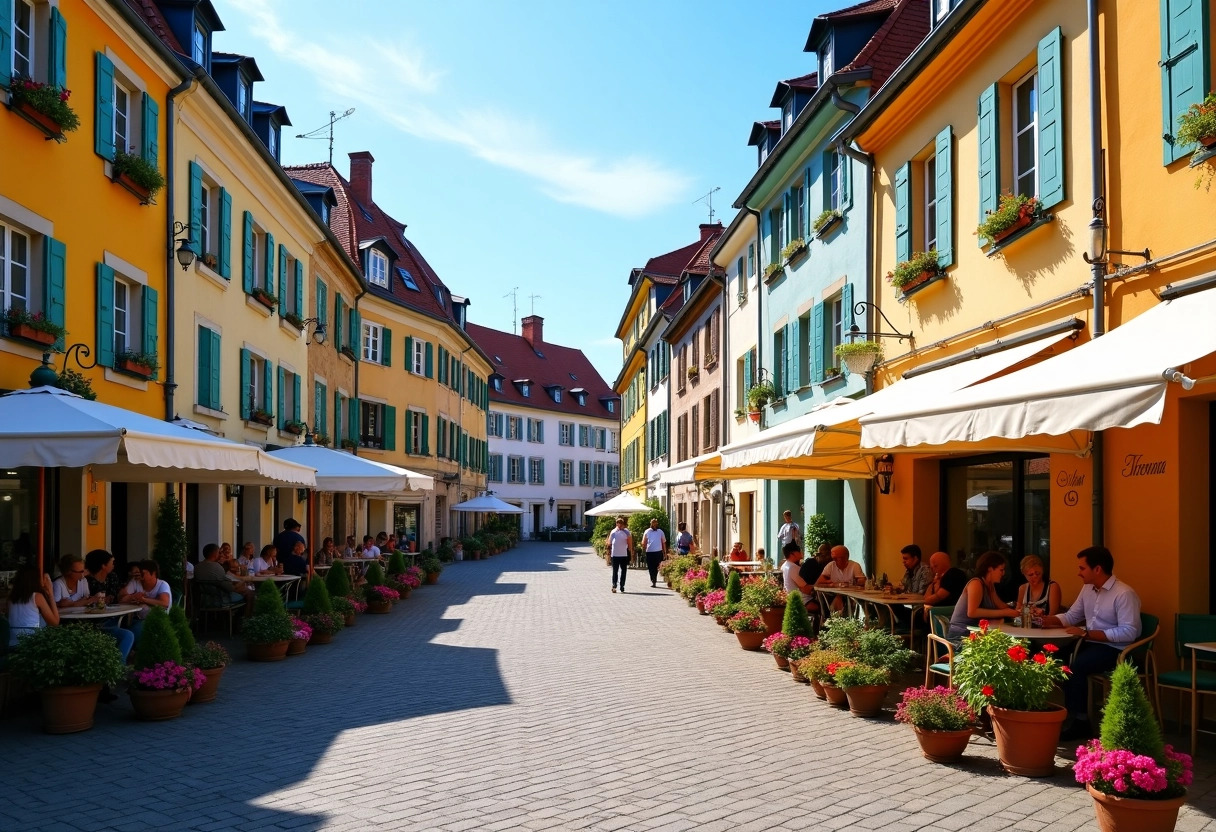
<point>19,516</point>
<point>405,526</point>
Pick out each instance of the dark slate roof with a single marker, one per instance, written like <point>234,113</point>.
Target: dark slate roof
<point>277,111</point>
<point>250,65</point>
<point>760,131</point>
<point>894,41</point>
<point>860,10</point>
<point>807,83</point>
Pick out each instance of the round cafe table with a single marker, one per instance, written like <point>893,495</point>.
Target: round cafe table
<point>111,611</point>
<point>1038,634</point>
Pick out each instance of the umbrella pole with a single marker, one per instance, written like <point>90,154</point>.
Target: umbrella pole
<point>312,531</point>
<point>41,517</point>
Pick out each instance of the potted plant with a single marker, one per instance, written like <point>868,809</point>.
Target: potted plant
<point>265,297</point>
<point>941,718</point>
<point>865,687</point>
<point>748,628</point>
<point>321,439</point>
<point>830,373</point>
<point>997,671</point>
<point>1013,213</point>
<point>815,666</point>
<point>722,613</point>
<point>693,371</point>
<point>160,684</point>
<point>294,319</point>
<point>772,271</point>
<point>43,105</point>
<point>432,566</point>
<point>134,363</point>
<point>712,600</point>
<point>694,583</point>
<point>767,600</point>
<point>798,649</point>
<point>211,659</point>
<point>380,599</point>
<point>32,326</point>
<point>74,382</point>
<point>210,260</point>
<point>268,632</point>
<point>835,694</point>
<point>261,416</point>
<point>778,644</point>
<point>1136,781</point>
<point>914,272</point>
<point>337,584</point>
<point>859,357</point>
<point>301,633</point>
<point>137,175</point>
<point>294,426</point>
<point>346,608</point>
<point>349,444</point>
<point>795,621</point>
<point>758,395</point>
<point>67,665</point>
<point>1198,124</point>
<point>826,222</point>
<point>793,248</point>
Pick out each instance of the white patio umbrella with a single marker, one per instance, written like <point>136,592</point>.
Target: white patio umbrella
<point>623,503</point>
<point>487,502</point>
<point>341,472</point>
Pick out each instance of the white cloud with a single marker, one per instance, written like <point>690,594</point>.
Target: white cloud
<point>394,82</point>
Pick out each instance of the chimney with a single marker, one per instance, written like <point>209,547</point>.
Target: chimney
<point>361,176</point>
<point>533,328</point>
<point>708,229</point>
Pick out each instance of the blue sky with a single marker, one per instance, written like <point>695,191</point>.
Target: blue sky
<point>547,145</point>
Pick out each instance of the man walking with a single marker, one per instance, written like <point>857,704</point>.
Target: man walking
<point>654,544</point>
<point>789,532</point>
<point>620,549</point>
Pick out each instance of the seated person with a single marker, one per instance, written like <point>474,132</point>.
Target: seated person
<point>295,563</point>
<point>370,549</point>
<point>390,545</point>
<point>917,574</point>
<point>946,584</point>
<point>737,552</point>
<point>99,564</point>
<point>979,599</point>
<point>791,578</point>
<point>211,572</point>
<point>1106,615</point>
<point>352,547</point>
<point>841,569</point>
<point>148,591</point>
<point>1043,597</point>
<point>70,588</point>
<point>248,555</point>
<point>31,603</point>
<point>326,554</point>
<point>266,563</point>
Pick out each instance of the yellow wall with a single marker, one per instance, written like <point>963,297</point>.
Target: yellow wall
<point>635,426</point>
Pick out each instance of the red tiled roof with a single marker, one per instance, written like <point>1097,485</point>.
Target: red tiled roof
<point>555,366</point>
<point>894,41</point>
<point>673,263</point>
<point>699,264</point>
<point>862,9</point>
<point>150,13</point>
<point>673,304</point>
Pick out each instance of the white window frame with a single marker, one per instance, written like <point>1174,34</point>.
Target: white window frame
<point>288,303</point>
<point>377,268</point>
<point>584,472</point>
<point>930,203</point>
<point>825,58</point>
<point>1024,167</point>
<point>515,469</point>
<point>124,142</point>
<point>418,359</point>
<point>372,346</point>
<point>289,398</point>
<point>242,96</point>
<point>834,182</point>
<point>257,376</point>
<point>833,320</point>
<point>271,140</point>
<point>415,437</point>
<point>371,412</point>
<point>565,433</point>
<point>126,330</point>
<point>30,56</point>
<point>198,45</point>
<point>536,470</point>
<point>494,470</point>
<point>601,439</point>
<point>565,472</point>
<point>7,295</point>
<point>787,115</point>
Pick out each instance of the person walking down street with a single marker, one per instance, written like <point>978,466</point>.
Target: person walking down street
<point>789,532</point>
<point>684,542</point>
<point>620,549</point>
<point>654,544</point>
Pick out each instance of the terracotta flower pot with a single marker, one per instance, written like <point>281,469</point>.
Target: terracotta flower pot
<point>69,708</point>
<point>1026,740</point>
<point>49,127</point>
<point>782,662</point>
<point>131,368</point>
<point>866,700</point>
<point>835,695</point>
<point>942,746</point>
<point>210,688</point>
<point>273,652</point>
<point>1024,219</point>
<point>28,333</point>
<point>297,646</point>
<point>819,689</point>
<point>350,619</point>
<point>1127,814</point>
<point>701,607</point>
<point>137,190</point>
<point>750,641</point>
<point>921,279</point>
<point>1208,141</point>
<point>754,415</point>
<point>773,617</point>
<point>379,607</point>
<point>158,705</point>
<point>796,674</point>
<point>432,577</point>
<point>319,637</point>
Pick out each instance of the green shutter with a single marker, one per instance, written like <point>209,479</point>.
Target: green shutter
<point>826,184</point>
<point>57,67</point>
<point>105,315</point>
<point>318,406</point>
<point>1184,66</point>
<point>795,353</point>
<point>903,213</point>
<point>202,363</point>
<point>807,217</point>
<point>225,235</point>
<point>246,380</point>
<point>409,431</point>
<point>321,417</point>
<point>944,153</point>
<point>281,399</point>
<point>322,299</point>
<point>213,387</point>
<point>443,365</point>
<point>54,288</point>
<point>846,315</point>
<point>149,147</point>
<point>409,353</point>
<point>426,434</point>
<point>268,265</point>
<point>282,290</point>
<point>429,360</point>
<point>747,375</point>
<point>846,182</point>
<point>990,151</point>
<point>150,322</point>
<point>196,208</point>
<point>817,343</point>
<point>247,266</point>
<point>337,331</point>
<point>354,331</point>
<point>295,404</point>
<point>268,386</point>
<point>337,438</point>
<point>386,347</point>
<point>103,110</point>
<point>6,44</point>
<point>352,427</point>
<point>1051,122</point>
<point>299,307</point>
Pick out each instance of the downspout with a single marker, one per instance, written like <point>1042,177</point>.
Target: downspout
<point>1097,268</point>
<point>171,265</point>
<point>759,364</point>
<point>356,339</point>
<point>725,371</point>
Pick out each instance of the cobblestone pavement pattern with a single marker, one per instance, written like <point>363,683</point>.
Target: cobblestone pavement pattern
<point>520,694</point>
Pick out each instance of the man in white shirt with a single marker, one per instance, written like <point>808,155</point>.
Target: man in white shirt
<point>654,544</point>
<point>841,569</point>
<point>620,549</point>
<point>789,532</point>
<point>1106,615</point>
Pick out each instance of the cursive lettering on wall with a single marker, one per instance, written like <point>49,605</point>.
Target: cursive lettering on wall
<point>1135,466</point>
<point>1070,479</point>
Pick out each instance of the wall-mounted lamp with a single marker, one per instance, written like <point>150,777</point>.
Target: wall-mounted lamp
<point>728,504</point>
<point>232,492</point>
<point>185,246</point>
<point>318,330</point>
<point>301,495</point>
<point>271,491</point>
<point>1097,249</point>
<point>883,472</point>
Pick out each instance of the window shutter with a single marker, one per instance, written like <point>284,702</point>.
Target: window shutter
<point>429,360</point>
<point>225,235</point>
<point>409,353</point>
<point>6,44</point>
<point>58,65</point>
<point>386,347</point>
<point>216,402</point>
<point>202,365</point>
<point>817,343</point>
<point>747,375</point>
<point>1051,121</point>
<point>321,417</point>
<point>808,217</point>
<point>318,406</point>
<point>196,208</point>
<point>337,331</point>
<point>281,399</point>
<point>103,111</point>
<point>846,182</point>
<point>354,331</point>
<point>443,370</point>
<point>267,402</point>
<point>768,233</point>
<point>390,428</point>
<point>352,421</point>
<point>1184,67</point>
<point>246,380</point>
<point>944,153</point>
<point>247,268</point>
<point>269,265</point>
<point>716,421</point>
<point>296,403</point>
<point>794,350</point>
<point>337,438</point>
<point>409,431</point>
<point>787,215</point>
<point>54,289</point>
<point>150,322</point>
<point>903,213</point>
<point>149,147</point>
<point>282,291</point>
<point>105,315</point>
<point>299,308</point>
<point>990,151</point>
<point>426,434</point>
<point>322,300</point>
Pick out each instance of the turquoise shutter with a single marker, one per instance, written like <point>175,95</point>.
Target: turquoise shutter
<point>353,427</point>
<point>1051,122</point>
<point>354,331</point>
<point>202,364</point>
<point>409,353</point>
<point>903,213</point>
<point>1184,66</point>
<point>990,151</point>
<point>103,110</point>
<point>337,333</point>
<point>282,290</point>
<point>817,343</point>
<point>268,265</point>
<point>321,417</point>
<point>150,321</point>
<point>196,208</point>
<point>246,381</point>
<point>429,360</point>
<point>295,404</point>
<point>795,353</point>
<point>337,438</point>
<point>409,431</point>
<point>386,347</point>
<point>945,197</point>
<point>322,299</point>
<point>318,406</point>
<point>58,64</point>
<point>807,216</point>
<point>299,307</point>
<point>213,386</point>
<point>6,44</point>
<point>768,233</point>
<point>846,182</point>
<point>786,216</point>
<point>846,315</point>
<point>747,374</point>
<point>105,315</point>
<point>247,268</point>
<point>426,434</point>
<point>281,399</point>
<point>54,289</point>
<point>826,184</point>
<point>267,386</point>
<point>149,147</point>
<point>225,235</point>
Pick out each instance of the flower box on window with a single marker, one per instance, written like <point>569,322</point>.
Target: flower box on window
<point>210,260</point>
<point>262,417</point>
<point>772,271</point>
<point>137,175</point>
<point>793,250</point>
<point>33,327</point>
<point>349,353</point>
<point>296,427</point>
<point>134,363</point>
<point>1013,213</point>
<point>1198,124</point>
<point>916,272</point>
<point>44,106</point>
<point>265,298</point>
<point>294,319</point>
<point>826,223</point>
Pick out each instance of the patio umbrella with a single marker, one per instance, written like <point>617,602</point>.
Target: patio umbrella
<point>346,473</point>
<point>623,503</point>
<point>487,502</point>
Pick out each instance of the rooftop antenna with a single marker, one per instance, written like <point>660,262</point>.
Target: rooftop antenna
<point>322,131</point>
<point>708,199</point>
<point>533,298</point>
<point>514,296</point>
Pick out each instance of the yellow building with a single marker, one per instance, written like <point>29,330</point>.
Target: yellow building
<point>630,385</point>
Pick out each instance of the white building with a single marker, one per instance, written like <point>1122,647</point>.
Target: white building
<point>553,426</point>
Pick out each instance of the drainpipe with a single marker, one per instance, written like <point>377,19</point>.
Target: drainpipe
<point>356,338</point>
<point>171,265</point>
<point>759,336</point>
<point>1097,268</point>
<point>724,370</point>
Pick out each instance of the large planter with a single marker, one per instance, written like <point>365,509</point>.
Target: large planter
<point>297,646</point>
<point>820,692</point>
<point>159,705</point>
<point>866,700</point>
<point>750,641</point>
<point>772,617</point>
<point>350,619</point>
<point>1026,740</point>
<point>27,333</point>
<point>321,638</point>
<point>379,607</point>
<point>1127,814</point>
<point>432,577</point>
<point>68,709</point>
<point>835,695</point>
<point>274,652</point>
<point>942,746</point>
<point>210,688</point>
<point>925,278</point>
<point>131,368</point>
<point>782,662</point>
<point>754,415</point>
<point>796,674</point>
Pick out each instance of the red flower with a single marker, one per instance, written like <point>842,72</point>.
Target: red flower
<point>987,690</point>
<point>1039,658</point>
<point>973,636</point>
<point>983,625</point>
<point>1065,669</point>
<point>1017,652</point>
<point>1050,648</point>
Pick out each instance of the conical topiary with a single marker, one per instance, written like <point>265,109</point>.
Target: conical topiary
<point>268,600</point>
<point>796,622</point>
<point>375,575</point>
<point>337,581</point>
<point>157,643</point>
<point>716,579</point>
<point>396,563</point>
<point>316,598</point>
<point>181,629</point>
<point>1127,721</point>
<point>734,589</point>
<point>171,545</point>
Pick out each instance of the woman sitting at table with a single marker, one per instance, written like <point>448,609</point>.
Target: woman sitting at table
<point>326,554</point>
<point>979,599</point>
<point>247,556</point>
<point>30,603</point>
<point>149,591</point>
<point>99,565</point>
<point>1043,597</point>
<point>267,563</point>
<point>737,552</point>
<point>70,588</point>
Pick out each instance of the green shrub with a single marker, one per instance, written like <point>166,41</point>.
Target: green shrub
<point>396,563</point>
<point>819,530</point>
<point>71,654</point>
<point>861,675</point>
<point>760,595</point>
<point>431,565</point>
<point>181,629</point>
<point>796,622</point>
<point>316,597</point>
<point>169,550</point>
<point>1127,721</point>
<point>716,579</point>
<point>142,172</point>
<point>337,581</point>
<point>640,522</point>
<point>157,642</point>
<point>267,628</point>
<point>842,634</point>
<point>268,600</point>
<point>374,575</point>
<point>734,589</point>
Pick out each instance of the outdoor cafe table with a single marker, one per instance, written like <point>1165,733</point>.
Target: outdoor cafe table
<point>286,581</point>
<point>1196,648</point>
<point>877,596</point>
<point>1034,634</point>
<point>111,611</point>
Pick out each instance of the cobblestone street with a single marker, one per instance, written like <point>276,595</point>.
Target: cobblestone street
<point>519,693</point>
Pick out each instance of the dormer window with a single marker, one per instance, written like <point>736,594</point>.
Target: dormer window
<point>787,116</point>
<point>497,384</point>
<point>272,142</point>
<point>377,268</point>
<point>198,45</point>
<point>407,279</point>
<point>525,390</point>
<point>611,406</point>
<point>242,97</point>
<point>825,58</point>
<point>687,290</point>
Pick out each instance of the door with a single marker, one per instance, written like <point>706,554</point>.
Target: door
<point>565,517</point>
<point>538,514</point>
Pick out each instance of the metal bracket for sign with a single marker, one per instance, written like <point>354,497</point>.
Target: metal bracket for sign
<point>855,331</point>
<point>74,352</point>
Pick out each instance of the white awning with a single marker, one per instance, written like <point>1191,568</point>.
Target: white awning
<point>1116,381</point>
<point>487,502</point>
<point>703,467</point>
<point>341,472</point>
<point>825,443</point>
<point>623,503</point>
